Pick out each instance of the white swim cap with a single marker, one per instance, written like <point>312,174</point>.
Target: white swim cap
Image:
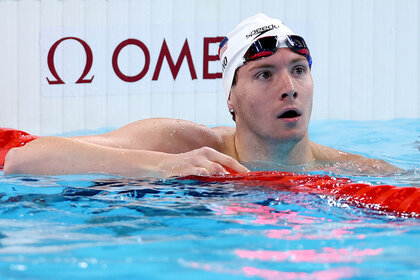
<point>233,47</point>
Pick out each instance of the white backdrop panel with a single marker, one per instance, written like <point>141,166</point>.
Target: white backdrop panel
<point>365,53</point>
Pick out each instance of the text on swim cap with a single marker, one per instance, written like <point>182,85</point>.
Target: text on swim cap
<point>262,30</point>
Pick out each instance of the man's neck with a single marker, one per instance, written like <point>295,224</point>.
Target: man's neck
<point>290,152</point>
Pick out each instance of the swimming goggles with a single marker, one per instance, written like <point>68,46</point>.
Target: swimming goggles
<point>268,45</point>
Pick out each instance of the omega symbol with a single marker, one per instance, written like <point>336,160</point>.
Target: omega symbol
<point>88,65</point>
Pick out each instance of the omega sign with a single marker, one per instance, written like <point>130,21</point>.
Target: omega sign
<point>164,55</point>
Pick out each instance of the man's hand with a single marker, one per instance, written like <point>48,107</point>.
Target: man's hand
<point>204,161</point>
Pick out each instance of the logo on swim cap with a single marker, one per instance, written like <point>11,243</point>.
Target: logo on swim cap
<point>223,46</point>
<point>224,64</point>
<point>261,30</point>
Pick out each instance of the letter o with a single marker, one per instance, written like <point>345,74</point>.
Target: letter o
<point>116,53</point>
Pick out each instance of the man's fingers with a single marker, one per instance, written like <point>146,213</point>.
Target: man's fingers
<point>204,161</point>
<point>231,164</point>
<point>201,171</point>
<point>226,161</point>
<point>216,169</point>
<point>235,167</point>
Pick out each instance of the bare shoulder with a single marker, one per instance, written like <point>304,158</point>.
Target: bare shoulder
<point>160,134</point>
<point>350,161</point>
<point>226,137</point>
<point>324,153</point>
<point>225,132</point>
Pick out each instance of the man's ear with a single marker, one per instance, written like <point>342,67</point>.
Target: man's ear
<point>229,102</point>
<point>231,109</point>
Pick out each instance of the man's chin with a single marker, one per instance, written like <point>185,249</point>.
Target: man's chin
<point>290,137</point>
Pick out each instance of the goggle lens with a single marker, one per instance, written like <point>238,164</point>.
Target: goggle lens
<point>268,45</point>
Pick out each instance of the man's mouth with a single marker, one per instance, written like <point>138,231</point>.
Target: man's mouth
<point>289,114</point>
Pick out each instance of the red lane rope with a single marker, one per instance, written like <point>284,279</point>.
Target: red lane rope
<point>383,197</point>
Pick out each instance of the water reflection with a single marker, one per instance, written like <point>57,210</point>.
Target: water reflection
<point>224,228</point>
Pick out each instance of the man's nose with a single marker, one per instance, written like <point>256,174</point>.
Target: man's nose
<point>286,86</point>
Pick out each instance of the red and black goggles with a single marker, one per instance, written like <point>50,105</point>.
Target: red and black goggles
<point>268,45</point>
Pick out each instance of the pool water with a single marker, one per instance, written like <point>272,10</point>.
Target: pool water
<point>105,227</point>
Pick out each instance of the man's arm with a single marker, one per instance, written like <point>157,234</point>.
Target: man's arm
<point>153,147</point>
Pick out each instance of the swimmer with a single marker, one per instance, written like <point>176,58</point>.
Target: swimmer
<point>269,91</point>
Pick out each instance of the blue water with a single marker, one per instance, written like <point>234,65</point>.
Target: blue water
<point>103,227</point>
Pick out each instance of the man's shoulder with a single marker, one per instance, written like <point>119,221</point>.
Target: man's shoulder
<point>176,135</point>
<point>324,153</point>
<point>224,131</point>
<point>186,128</point>
<point>349,161</point>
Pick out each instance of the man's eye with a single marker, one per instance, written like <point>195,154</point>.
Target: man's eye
<point>264,75</point>
<point>299,70</point>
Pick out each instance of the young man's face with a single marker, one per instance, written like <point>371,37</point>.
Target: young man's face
<point>272,98</point>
